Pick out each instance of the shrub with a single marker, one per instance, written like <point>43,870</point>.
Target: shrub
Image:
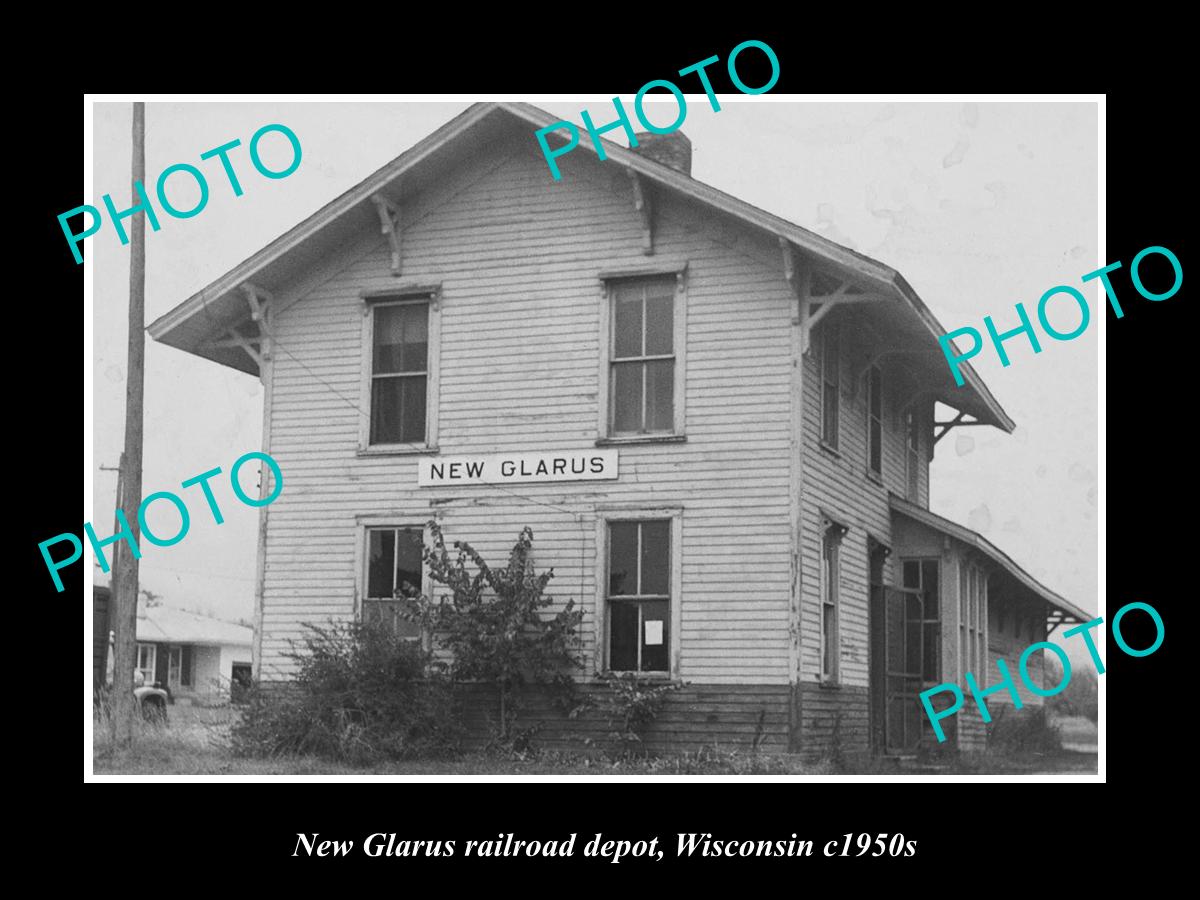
<point>629,706</point>
<point>1027,731</point>
<point>493,626</point>
<point>361,695</point>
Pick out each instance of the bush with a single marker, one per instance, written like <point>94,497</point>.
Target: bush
<point>361,695</point>
<point>629,705</point>
<point>1081,695</point>
<point>1028,731</point>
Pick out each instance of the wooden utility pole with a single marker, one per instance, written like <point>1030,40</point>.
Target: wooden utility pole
<point>125,570</point>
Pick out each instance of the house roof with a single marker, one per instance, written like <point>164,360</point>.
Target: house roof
<point>988,549</point>
<point>165,624</point>
<point>208,314</point>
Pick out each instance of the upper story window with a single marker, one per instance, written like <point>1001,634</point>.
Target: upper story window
<point>875,420</point>
<point>399,371</point>
<point>830,364</point>
<point>912,432</point>
<point>644,372</point>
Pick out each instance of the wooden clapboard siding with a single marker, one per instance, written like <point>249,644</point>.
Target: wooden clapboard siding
<point>729,717</point>
<point>838,484</point>
<point>518,258</point>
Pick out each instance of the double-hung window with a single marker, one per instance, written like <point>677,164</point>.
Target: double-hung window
<point>972,585</point>
<point>644,363</point>
<point>400,332</point>
<point>830,344</point>
<point>639,595</point>
<point>875,420</point>
<point>831,576</point>
<point>146,657</point>
<point>394,569</point>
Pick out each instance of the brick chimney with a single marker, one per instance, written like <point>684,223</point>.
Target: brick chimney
<point>674,149</point>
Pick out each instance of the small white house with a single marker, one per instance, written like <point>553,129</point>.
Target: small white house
<point>191,654</point>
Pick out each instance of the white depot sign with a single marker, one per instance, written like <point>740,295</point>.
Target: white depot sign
<point>514,468</point>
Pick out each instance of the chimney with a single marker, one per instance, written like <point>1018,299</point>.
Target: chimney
<point>674,149</point>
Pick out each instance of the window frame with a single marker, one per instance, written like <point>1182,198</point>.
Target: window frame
<point>838,531</point>
<point>874,422</point>
<point>828,331</point>
<point>174,665</point>
<point>926,620</point>
<point>365,525</point>
<point>606,406</point>
<point>605,515</point>
<point>153,649</point>
<point>430,296</point>
<point>973,623</point>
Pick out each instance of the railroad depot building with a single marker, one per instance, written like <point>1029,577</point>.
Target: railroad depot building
<point>717,424</point>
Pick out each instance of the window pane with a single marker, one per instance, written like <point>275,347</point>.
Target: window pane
<point>930,668</point>
<point>401,338</point>
<point>398,410</point>
<point>876,439</point>
<point>829,355</point>
<point>656,558</point>
<point>929,582</point>
<point>660,321</point>
<point>660,394</point>
<point>913,656</point>
<point>408,558</point>
<point>627,329</point>
<point>623,636</point>
<point>412,429</point>
<point>655,639</point>
<point>627,397</point>
<point>622,558</point>
<point>380,562</point>
<point>828,612</point>
<point>829,413</point>
<point>912,573</point>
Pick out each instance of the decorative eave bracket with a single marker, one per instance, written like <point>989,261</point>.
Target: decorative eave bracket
<point>389,225</point>
<point>645,209</point>
<point>956,422</point>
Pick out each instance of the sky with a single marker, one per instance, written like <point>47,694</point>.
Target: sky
<point>979,205</point>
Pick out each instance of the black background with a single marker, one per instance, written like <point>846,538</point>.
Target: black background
<point>957,826</point>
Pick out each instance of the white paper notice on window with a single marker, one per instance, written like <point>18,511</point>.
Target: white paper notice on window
<point>654,633</point>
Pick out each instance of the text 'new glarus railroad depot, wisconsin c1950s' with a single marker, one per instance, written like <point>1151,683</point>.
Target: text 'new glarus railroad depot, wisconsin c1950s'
<point>718,425</point>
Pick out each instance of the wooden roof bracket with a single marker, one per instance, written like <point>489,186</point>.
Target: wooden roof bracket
<point>389,225</point>
<point>956,422</point>
<point>644,207</point>
<point>799,279</point>
<point>260,303</point>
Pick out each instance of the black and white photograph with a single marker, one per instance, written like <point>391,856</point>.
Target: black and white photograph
<point>738,434</point>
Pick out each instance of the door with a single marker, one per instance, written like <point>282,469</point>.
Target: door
<point>163,666</point>
<point>877,662</point>
<point>903,656</point>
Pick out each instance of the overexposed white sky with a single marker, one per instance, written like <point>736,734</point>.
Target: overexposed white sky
<point>979,205</point>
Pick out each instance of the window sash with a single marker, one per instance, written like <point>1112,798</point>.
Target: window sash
<point>377,378</point>
<point>640,602</point>
<point>875,420</point>
<point>830,636</point>
<point>651,289</point>
<point>376,606</point>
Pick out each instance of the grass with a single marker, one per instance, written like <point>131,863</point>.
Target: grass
<point>195,743</point>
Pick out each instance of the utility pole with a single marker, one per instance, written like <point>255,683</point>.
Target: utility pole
<point>125,570</point>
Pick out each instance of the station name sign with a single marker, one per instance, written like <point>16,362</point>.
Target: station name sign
<point>516,468</point>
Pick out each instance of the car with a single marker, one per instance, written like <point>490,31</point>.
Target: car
<point>151,699</point>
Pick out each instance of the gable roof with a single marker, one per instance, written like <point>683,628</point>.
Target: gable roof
<point>206,314</point>
<point>165,624</point>
<point>992,552</point>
